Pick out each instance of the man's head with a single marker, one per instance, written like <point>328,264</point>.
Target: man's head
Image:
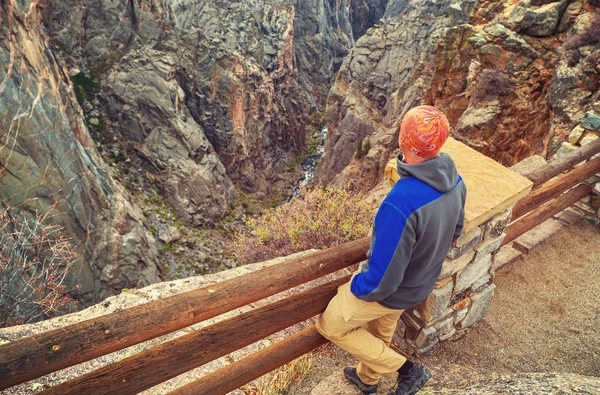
<point>423,131</point>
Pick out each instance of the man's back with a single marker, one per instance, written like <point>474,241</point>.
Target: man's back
<point>413,231</point>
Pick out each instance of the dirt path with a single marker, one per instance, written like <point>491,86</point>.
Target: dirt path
<point>545,317</point>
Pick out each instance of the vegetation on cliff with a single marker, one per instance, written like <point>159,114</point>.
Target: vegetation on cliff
<point>322,218</point>
<point>35,259</point>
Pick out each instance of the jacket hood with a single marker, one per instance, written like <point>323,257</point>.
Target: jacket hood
<point>439,172</point>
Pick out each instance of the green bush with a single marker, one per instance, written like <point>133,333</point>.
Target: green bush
<point>322,218</point>
<point>363,147</point>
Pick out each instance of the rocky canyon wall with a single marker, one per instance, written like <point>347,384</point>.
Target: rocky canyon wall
<point>514,79</point>
<point>214,96</point>
<point>212,93</point>
<point>48,162</point>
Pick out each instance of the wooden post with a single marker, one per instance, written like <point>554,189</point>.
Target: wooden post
<point>553,188</point>
<point>252,367</point>
<point>541,214</point>
<point>165,361</point>
<point>37,355</point>
<point>559,165</point>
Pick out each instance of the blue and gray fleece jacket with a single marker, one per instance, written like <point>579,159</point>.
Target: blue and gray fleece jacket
<point>412,233</point>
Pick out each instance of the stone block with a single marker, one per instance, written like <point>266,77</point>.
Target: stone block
<point>452,266</point>
<point>584,207</point>
<point>448,335</point>
<point>568,216</point>
<point>506,255</point>
<point>444,326</point>
<point>529,164</point>
<point>530,239</point>
<point>400,328</point>
<point>496,226</point>
<point>596,107</point>
<point>565,149</point>
<point>461,304</point>
<point>412,321</point>
<point>426,338</point>
<point>589,137</point>
<point>472,273</point>
<point>460,315</point>
<point>576,134</point>
<point>468,238</point>
<point>488,247</point>
<point>435,304</point>
<point>481,302</point>
<point>458,251</point>
<point>593,179</point>
<point>480,282</point>
<point>442,283</point>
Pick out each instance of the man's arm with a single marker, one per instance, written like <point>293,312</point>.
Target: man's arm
<point>460,225</point>
<point>390,254</point>
<point>461,218</point>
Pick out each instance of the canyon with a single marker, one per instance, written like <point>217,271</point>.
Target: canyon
<point>212,100</point>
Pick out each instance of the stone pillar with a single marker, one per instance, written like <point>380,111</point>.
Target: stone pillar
<point>465,288</point>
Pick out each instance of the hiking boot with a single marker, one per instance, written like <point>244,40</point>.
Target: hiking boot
<point>351,375</point>
<point>412,382</point>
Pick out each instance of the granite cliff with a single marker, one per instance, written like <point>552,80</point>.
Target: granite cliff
<point>211,97</point>
<point>514,80</point>
<point>211,93</point>
<point>48,162</point>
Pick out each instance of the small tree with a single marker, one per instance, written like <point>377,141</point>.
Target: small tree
<point>34,261</point>
<point>363,148</point>
<point>359,149</point>
<point>366,147</point>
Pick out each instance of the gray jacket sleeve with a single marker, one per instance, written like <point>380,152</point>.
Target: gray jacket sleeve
<point>459,225</point>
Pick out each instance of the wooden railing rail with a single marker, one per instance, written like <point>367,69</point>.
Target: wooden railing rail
<point>37,355</point>
<point>541,214</point>
<point>560,165</point>
<point>253,366</point>
<point>547,199</point>
<point>553,188</point>
<point>172,358</point>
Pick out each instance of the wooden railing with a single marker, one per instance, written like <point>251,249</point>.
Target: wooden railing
<point>549,198</point>
<point>32,357</point>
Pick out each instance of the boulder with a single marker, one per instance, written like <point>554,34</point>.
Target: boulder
<point>537,21</point>
<point>590,121</point>
<point>570,16</point>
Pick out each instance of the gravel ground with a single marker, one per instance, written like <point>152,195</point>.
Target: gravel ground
<point>545,318</point>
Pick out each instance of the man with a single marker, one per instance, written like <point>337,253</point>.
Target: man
<point>412,232</point>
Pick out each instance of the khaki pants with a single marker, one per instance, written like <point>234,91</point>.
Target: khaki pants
<point>365,330</point>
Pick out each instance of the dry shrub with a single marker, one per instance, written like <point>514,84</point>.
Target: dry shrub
<point>590,36</point>
<point>322,218</point>
<point>279,382</point>
<point>492,84</point>
<point>35,259</point>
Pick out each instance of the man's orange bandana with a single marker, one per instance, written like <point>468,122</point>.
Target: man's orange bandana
<point>423,131</point>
